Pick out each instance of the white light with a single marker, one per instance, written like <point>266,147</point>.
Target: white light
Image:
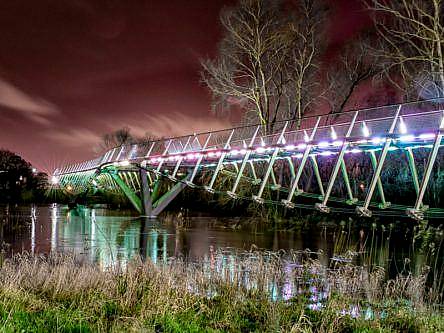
<point>218,153</point>
<point>284,141</point>
<point>260,150</point>
<point>326,153</point>
<point>190,156</point>
<point>334,136</point>
<point>125,163</point>
<point>234,152</point>
<point>306,137</point>
<point>299,155</point>
<point>402,126</point>
<point>427,136</point>
<point>262,142</point>
<point>323,144</point>
<point>243,151</point>
<point>407,138</point>
<point>377,141</point>
<point>302,146</point>
<point>365,130</point>
<point>290,147</point>
<point>356,151</point>
<point>54,180</point>
<point>34,170</point>
<point>94,182</point>
<point>338,143</point>
<point>211,154</point>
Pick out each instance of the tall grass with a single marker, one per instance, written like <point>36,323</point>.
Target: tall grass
<point>235,294</point>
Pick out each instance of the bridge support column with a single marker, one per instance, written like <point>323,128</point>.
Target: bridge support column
<point>147,202</point>
<point>416,212</point>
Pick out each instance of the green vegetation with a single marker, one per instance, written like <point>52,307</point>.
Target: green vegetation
<point>61,294</point>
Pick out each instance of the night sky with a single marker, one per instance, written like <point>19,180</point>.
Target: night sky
<point>72,70</point>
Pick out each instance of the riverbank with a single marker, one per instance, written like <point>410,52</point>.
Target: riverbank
<point>59,293</point>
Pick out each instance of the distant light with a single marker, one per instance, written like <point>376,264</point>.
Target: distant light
<point>323,144</point>
<point>306,137</point>
<point>94,182</point>
<point>284,141</point>
<point>234,152</point>
<point>34,170</point>
<point>260,150</point>
<point>262,142</point>
<point>365,130</point>
<point>54,180</point>
<point>290,147</point>
<point>299,155</point>
<point>69,187</point>
<point>355,151</point>
<point>243,151</point>
<point>334,136</point>
<point>326,153</point>
<point>125,163</point>
<point>402,126</point>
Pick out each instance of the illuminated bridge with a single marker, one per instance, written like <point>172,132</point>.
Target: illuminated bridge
<point>333,163</point>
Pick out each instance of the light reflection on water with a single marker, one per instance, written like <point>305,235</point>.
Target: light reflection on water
<point>113,238</point>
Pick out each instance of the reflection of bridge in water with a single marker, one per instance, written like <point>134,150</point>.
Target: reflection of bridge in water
<point>318,158</point>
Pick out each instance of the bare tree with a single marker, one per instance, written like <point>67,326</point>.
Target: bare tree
<point>305,44</point>
<point>413,34</point>
<point>250,58</point>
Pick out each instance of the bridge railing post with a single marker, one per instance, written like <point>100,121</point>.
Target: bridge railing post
<point>363,210</point>
<point>339,163</point>
<point>287,202</point>
<point>416,211</point>
<point>258,197</point>
<point>240,172</point>
<point>220,162</point>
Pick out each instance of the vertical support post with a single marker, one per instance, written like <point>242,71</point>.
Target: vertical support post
<point>232,193</point>
<point>258,198</point>
<point>351,200</point>
<point>412,166</point>
<point>317,174</point>
<point>219,165</point>
<point>287,202</point>
<point>253,171</point>
<point>363,210</point>
<point>384,204</point>
<point>416,212</point>
<point>147,203</point>
<point>340,161</point>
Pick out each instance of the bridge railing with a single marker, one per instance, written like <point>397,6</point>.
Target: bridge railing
<point>419,118</point>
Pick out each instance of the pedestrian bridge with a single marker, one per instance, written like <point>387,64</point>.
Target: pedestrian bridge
<point>341,162</point>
